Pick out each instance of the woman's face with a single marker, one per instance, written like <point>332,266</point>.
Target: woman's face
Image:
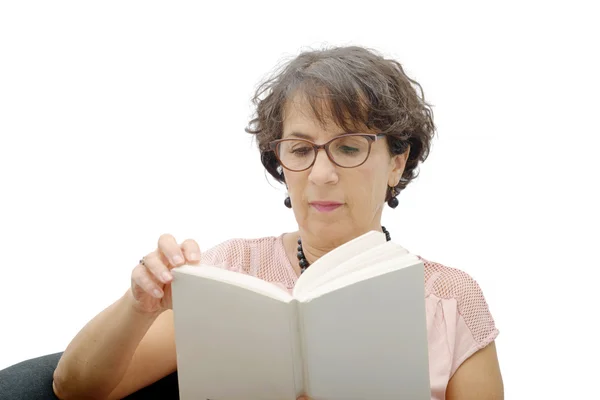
<point>360,191</point>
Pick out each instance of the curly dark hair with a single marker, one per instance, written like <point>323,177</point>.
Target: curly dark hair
<point>360,88</point>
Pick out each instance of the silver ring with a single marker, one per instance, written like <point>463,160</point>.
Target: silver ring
<point>143,261</point>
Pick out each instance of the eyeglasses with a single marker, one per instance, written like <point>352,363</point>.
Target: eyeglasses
<point>346,151</point>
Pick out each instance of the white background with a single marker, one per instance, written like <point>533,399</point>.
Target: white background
<point>120,121</point>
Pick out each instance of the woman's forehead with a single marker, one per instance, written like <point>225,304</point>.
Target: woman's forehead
<point>302,117</point>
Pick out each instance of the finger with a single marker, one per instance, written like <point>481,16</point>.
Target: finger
<point>169,247</point>
<point>145,280</point>
<point>155,264</point>
<point>191,251</point>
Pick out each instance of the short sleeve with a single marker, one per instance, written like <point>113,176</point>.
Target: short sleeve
<point>474,327</point>
<point>262,257</point>
<point>232,254</point>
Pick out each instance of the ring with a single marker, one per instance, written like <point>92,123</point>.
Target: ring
<point>143,261</point>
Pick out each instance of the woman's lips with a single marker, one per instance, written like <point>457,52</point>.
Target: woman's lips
<point>325,206</point>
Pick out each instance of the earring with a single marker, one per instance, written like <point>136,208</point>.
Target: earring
<point>288,202</point>
<point>393,201</point>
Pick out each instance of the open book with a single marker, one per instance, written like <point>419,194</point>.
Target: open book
<point>353,328</point>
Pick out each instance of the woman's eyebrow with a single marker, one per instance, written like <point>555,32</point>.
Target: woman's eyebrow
<point>301,135</point>
<point>309,137</point>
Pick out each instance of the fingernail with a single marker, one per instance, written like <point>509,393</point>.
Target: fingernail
<point>167,276</point>
<point>157,293</point>
<point>177,260</point>
<point>193,256</point>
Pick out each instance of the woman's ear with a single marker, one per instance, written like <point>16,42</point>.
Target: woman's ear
<point>399,164</point>
<point>282,175</point>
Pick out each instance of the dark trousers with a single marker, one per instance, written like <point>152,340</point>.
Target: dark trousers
<point>32,380</point>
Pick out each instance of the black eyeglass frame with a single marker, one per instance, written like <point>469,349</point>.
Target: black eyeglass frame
<point>274,146</point>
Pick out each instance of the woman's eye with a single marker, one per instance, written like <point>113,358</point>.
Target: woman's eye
<point>301,151</point>
<point>349,150</point>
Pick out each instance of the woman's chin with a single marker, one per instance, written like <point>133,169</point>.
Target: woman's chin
<point>335,229</point>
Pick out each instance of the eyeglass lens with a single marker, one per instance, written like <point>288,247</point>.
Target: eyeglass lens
<point>346,151</point>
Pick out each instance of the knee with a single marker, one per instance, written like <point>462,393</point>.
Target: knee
<point>30,379</point>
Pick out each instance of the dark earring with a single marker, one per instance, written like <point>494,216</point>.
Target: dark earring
<point>393,201</point>
<point>288,202</point>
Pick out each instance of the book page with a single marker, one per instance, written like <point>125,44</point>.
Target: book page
<point>367,261</point>
<point>337,256</point>
<point>241,280</point>
<point>358,274</point>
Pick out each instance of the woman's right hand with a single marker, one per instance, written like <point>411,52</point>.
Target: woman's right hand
<point>151,281</point>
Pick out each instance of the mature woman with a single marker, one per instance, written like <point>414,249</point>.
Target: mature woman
<point>344,129</point>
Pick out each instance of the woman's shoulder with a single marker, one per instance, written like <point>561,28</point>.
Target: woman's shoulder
<point>239,242</point>
<point>465,309</point>
<point>449,283</point>
<point>242,252</point>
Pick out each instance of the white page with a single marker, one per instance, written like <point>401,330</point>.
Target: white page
<point>363,262</point>
<point>364,273</point>
<point>369,340</point>
<point>337,256</point>
<point>248,282</point>
<point>233,343</point>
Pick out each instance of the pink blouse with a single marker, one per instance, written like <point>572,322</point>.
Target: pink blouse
<point>459,322</point>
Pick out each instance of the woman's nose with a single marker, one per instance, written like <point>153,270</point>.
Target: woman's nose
<point>323,170</point>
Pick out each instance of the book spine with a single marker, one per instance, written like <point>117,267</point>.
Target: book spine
<point>297,348</point>
<point>303,349</point>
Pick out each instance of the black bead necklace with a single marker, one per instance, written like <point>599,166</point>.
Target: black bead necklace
<point>304,262</point>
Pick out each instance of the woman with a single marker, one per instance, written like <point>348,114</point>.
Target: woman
<point>344,129</point>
